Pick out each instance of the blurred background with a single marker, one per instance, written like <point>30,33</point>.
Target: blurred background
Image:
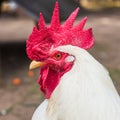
<point>19,91</point>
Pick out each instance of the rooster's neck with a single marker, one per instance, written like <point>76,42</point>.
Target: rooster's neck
<point>85,92</point>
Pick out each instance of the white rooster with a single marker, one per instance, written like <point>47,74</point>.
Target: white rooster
<point>75,85</point>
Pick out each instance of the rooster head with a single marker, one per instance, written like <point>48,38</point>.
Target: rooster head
<point>42,47</point>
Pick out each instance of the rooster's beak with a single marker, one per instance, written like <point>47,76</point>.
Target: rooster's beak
<point>36,64</point>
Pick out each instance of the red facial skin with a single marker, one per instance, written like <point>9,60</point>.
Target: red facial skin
<point>50,74</point>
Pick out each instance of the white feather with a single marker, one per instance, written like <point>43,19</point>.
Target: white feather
<point>86,92</point>
<point>39,113</point>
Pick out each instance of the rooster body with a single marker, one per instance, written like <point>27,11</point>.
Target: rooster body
<point>75,85</point>
<point>86,92</point>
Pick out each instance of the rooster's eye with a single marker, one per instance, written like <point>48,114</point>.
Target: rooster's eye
<point>58,56</point>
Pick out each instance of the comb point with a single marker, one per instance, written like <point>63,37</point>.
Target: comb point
<point>69,22</point>
<point>55,21</point>
<point>41,23</point>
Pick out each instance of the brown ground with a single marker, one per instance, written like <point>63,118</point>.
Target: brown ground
<point>19,102</point>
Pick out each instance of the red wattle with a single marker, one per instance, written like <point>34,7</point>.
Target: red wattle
<point>48,81</point>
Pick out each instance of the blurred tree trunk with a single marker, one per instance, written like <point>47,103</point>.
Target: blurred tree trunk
<point>0,68</point>
<point>1,6</point>
<point>34,7</point>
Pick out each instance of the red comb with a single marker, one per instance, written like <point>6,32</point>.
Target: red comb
<point>44,38</point>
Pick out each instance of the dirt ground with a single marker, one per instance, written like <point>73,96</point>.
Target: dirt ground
<point>18,102</point>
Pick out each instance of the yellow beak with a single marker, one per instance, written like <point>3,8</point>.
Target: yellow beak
<point>36,64</point>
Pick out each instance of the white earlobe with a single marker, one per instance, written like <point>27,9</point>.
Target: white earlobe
<point>70,59</point>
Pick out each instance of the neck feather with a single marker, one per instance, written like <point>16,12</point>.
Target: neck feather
<point>86,88</point>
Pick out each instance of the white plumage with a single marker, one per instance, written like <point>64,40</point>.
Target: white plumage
<point>86,92</point>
